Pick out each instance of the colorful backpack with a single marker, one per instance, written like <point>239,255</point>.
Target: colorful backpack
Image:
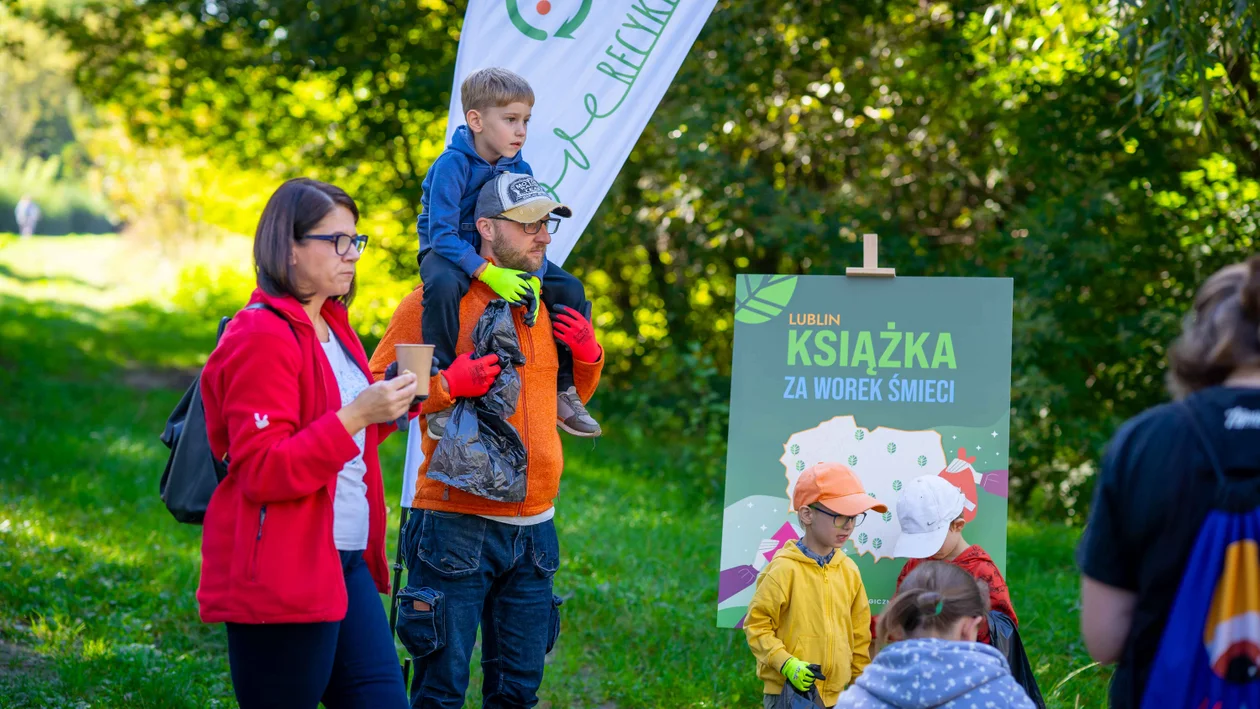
<point>1209,655</point>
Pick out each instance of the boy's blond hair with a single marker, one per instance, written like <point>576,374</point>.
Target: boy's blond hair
<point>494,87</point>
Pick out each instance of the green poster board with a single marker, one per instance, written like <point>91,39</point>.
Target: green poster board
<point>896,377</point>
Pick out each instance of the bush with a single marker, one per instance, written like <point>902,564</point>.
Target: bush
<point>674,421</point>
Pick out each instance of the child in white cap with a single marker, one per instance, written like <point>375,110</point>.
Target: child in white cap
<point>930,511</point>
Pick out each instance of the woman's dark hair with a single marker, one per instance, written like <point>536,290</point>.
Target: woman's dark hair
<point>295,208</point>
<point>931,600</point>
<point>1222,333</point>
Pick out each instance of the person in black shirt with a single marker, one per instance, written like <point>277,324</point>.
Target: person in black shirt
<point>1157,484</point>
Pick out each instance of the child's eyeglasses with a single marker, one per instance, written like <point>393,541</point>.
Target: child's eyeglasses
<point>341,242</point>
<point>841,521</point>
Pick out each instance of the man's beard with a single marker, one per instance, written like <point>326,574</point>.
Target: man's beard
<point>509,257</point>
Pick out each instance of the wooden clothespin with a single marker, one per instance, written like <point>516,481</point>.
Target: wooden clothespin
<point>870,260</point>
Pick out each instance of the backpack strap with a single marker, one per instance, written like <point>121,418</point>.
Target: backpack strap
<point>273,310</point>
<point>223,322</point>
<point>1208,448</point>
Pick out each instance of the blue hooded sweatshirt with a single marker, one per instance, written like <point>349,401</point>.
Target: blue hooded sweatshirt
<point>918,674</point>
<point>449,197</point>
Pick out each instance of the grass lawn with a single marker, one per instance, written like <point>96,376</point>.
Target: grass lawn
<point>97,581</point>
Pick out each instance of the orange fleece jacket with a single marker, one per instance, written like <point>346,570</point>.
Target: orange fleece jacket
<point>535,417</point>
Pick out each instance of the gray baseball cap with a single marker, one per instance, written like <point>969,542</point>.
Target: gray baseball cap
<point>517,197</point>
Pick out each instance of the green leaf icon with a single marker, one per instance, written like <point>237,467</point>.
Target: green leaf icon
<point>800,465</point>
<point>887,516</point>
<point>877,543</point>
<point>858,434</point>
<point>897,485</point>
<point>922,460</point>
<point>862,538</point>
<point>796,450</point>
<point>852,460</point>
<point>892,448</point>
<point>760,298</point>
<point>870,494</point>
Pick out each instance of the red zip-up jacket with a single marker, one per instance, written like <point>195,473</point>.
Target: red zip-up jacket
<point>271,401</point>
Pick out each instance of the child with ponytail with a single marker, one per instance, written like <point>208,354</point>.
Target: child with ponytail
<point>930,657</point>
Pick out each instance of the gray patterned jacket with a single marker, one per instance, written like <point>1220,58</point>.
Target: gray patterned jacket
<point>918,674</point>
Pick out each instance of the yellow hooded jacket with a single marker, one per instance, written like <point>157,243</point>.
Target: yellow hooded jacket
<point>816,614</point>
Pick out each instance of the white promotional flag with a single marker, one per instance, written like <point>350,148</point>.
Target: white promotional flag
<point>598,71</point>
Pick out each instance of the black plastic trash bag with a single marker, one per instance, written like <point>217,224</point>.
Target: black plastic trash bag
<point>481,453</point>
<point>1005,637</point>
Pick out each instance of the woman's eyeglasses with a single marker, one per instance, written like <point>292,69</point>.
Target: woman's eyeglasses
<point>341,242</point>
<point>841,521</point>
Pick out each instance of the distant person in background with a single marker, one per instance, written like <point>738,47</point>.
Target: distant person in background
<point>27,214</point>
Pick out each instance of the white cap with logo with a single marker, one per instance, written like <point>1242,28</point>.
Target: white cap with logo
<point>927,506</point>
<point>518,197</point>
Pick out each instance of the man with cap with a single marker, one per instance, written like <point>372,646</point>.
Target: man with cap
<point>524,277</point>
<point>474,562</point>
<point>810,608</point>
<point>930,512</point>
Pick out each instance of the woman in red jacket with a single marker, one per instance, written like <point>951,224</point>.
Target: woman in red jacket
<point>293,550</point>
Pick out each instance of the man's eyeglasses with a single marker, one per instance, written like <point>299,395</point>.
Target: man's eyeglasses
<point>841,521</point>
<point>341,242</point>
<point>553,225</point>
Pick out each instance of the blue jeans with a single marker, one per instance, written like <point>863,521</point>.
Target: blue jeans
<point>463,572</point>
<point>347,664</point>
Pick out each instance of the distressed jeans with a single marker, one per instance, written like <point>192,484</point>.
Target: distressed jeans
<point>463,572</point>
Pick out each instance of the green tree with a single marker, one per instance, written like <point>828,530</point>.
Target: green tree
<point>976,139</point>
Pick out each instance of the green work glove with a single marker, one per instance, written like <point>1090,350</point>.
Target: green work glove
<point>506,282</point>
<point>798,673</point>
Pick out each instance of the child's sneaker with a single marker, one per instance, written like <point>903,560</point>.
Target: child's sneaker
<point>437,422</point>
<point>572,416</point>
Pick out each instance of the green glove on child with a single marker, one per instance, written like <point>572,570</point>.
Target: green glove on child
<point>798,673</point>
<point>506,282</point>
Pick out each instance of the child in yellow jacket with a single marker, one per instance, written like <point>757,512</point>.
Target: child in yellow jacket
<point>810,606</point>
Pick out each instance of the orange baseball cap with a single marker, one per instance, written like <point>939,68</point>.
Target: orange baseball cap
<point>836,487</point>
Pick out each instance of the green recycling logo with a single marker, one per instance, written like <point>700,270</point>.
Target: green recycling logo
<point>543,7</point>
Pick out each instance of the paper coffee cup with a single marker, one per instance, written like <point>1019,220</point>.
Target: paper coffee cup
<point>417,359</point>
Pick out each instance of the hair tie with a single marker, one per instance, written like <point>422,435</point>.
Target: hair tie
<point>931,604</point>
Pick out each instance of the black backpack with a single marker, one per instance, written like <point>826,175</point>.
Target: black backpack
<point>1005,637</point>
<point>192,472</point>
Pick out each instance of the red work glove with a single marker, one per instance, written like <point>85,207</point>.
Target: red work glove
<point>470,377</point>
<point>576,331</point>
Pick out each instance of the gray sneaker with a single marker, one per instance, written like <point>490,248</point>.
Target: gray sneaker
<point>436,423</point>
<point>572,416</point>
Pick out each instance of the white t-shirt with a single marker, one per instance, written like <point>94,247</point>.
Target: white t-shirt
<point>350,508</point>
